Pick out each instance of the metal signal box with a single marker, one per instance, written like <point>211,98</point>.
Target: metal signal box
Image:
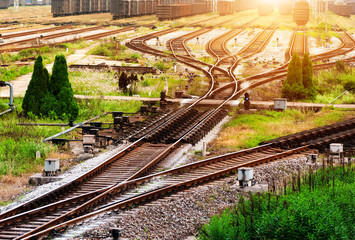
<point>280,103</point>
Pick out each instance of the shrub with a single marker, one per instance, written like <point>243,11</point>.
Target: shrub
<point>59,101</point>
<point>340,66</point>
<point>37,88</point>
<point>293,85</point>
<point>307,76</point>
<point>322,208</point>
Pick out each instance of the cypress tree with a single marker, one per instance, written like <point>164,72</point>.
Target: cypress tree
<point>293,86</point>
<point>37,88</point>
<point>60,100</point>
<point>307,74</point>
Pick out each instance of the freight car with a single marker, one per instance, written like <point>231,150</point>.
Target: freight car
<point>131,8</point>
<point>265,9</point>
<point>4,4</point>
<point>174,11</point>
<point>74,7</point>
<point>285,9</point>
<point>301,13</point>
<point>225,7</point>
<point>344,9</point>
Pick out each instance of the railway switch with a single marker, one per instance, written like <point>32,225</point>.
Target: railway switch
<point>51,167</point>
<point>245,177</point>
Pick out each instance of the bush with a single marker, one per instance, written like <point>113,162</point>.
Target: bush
<point>60,98</point>
<point>293,85</point>
<point>349,84</point>
<point>37,88</point>
<point>340,66</point>
<point>323,208</point>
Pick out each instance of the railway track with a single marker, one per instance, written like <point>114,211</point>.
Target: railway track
<point>89,37</point>
<point>298,44</point>
<point>160,184</point>
<point>348,44</point>
<point>218,49</point>
<point>103,197</point>
<point>36,31</point>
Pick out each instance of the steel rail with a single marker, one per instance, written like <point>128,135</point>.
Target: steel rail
<point>165,189</point>
<point>43,30</point>
<point>90,37</point>
<point>281,71</point>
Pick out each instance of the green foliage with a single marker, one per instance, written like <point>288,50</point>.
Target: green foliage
<point>340,66</point>
<point>162,66</point>
<point>331,84</point>
<point>323,209</point>
<point>349,84</point>
<point>60,99</point>
<point>108,49</point>
<point>37,88</point>
<point>307,76</point>
<point>293,85</point>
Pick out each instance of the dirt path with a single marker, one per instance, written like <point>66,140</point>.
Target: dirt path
<point>20,84</point>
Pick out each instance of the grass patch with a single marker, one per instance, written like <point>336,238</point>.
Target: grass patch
<point>48,53</point>
<point>322,209</point>
<point>246,131</point>
<point>330,84</point>
<point>95,83</point>
<point>18,144</point>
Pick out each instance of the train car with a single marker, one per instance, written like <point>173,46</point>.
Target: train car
<point>343,9</point>
<point>265,9</point>
<point>301,13</point>
<point>174,11</point>
<point>4,4</point>
<point>351,3</point>
<point>285,9</point>
<point>225,7</point>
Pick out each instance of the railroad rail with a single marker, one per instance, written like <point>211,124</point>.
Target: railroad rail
<point>36,31</point>
<point>186,176</point>
<point>89,37</point>
<point>82,196</point>
<point>348,44</point>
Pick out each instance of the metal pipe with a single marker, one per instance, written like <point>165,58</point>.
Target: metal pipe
<point>6,111</point>
<point>74,127</point>
<point>11,104</point>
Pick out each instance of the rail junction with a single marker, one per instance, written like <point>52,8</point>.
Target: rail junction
<point>134,175</point>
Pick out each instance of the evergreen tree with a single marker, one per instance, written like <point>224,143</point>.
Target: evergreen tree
<point>307,74</point>
<point>293,86</point>
<point>60,100</point>
<point>37,88</point>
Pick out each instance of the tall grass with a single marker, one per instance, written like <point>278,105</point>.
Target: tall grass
<point>322,207</point>
<point>18,144</point>
<point>248,130</point>
<point>330,84</point>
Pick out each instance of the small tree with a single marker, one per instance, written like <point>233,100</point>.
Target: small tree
<point>307,74</point>
<point>60,99</point>
<point>37,88</point>
<point>293,85</point>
